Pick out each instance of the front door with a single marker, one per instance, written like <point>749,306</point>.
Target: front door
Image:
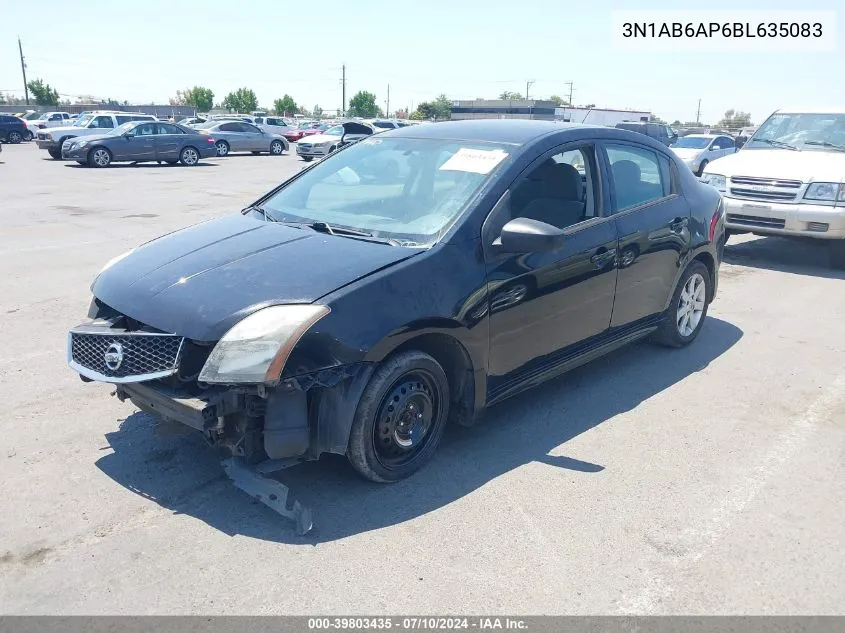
<point>140,145</point>
<point>545,307</point>
<point>255,140</point>
<point>652,222</point>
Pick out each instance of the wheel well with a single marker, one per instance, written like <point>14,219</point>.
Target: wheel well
<point>221,140</point>
<point>457,364</point>
<point>707,260</point>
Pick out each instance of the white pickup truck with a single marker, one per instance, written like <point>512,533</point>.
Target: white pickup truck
<point>788,179</point>
<point>51,139</point>
<point>47,119</point>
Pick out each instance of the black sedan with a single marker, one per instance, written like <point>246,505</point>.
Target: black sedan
<point>357,311</point>
<point>141,141</point>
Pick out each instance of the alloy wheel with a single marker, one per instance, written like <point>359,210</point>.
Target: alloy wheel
<point>189,156</point>
<point>101,157</point>
<point>691,305</point>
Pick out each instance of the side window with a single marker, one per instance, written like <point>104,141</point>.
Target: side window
<point>259,120</point>
<point>102,122</point>
<point>246,127</point>
<point>165,128</point>
<point>726,142</point>
<point>145,129</point>
<point>561,191</point>
<point>123,119</point>
<point>229,127</point>
<point>637,174</point>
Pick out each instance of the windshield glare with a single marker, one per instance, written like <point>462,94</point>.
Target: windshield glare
<point>83,120</point>
<point>692,142</point>
<point>402,188</point>
<point>805,131</point>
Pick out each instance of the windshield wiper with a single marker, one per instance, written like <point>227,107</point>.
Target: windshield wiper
<point>342,231</point>
<point>841,148</point>
<point>262,211</point>
<point>769,141</point>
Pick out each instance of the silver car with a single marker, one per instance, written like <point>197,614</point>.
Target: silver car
<point>697,150</point>
<point>239,136</point>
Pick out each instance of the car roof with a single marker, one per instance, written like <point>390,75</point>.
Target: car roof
<point>703,135</point>
<point>513,131</point>
<point>833,110</point>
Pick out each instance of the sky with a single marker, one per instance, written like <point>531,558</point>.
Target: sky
<point>463,48</point>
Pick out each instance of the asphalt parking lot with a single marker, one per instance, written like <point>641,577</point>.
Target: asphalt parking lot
<point>701,481</point>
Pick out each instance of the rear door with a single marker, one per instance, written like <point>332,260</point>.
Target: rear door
<point>233,135</point>
<point>168,141</point>
<point>652,221</point>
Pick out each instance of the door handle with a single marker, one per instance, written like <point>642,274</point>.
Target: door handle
<point>603,258</point>
<point>678,224</point>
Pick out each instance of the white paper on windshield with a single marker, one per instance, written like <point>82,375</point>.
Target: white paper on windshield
<point>474,161</point>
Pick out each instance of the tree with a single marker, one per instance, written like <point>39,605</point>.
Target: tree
<point>199,97</point>
<point>317,111</point>
<point>559,101</point>
<point>285,106</point>
<point>507,95</point>
<point>363,104</point>
<point>241,100</point>
<point>676,123</point>
<point>45,94</point>
<point>439,109</point>
<point>735,119</point>
<point>589,106</point>
<point>653,118</point>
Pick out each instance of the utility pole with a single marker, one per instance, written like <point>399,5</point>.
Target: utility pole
<point>23,70</point>
<point>571,90</point>
<point>698,113</point>
<point>387,107</point>
<point>343,84</point>
<point>528,84</point>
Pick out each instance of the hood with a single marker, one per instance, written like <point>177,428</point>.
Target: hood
<point>805,165</point>
<point>199,281</point>
<point>68,128</point>
<point>316,139</point>
<point>93,137</point>
<point>686,153</point>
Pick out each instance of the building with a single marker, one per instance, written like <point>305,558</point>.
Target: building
<point>503,109</point>
<point>541,110</point>
<point>599,116</point>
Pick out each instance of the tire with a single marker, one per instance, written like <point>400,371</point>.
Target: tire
<point>55,154</point>
<point>99,157</point>
<point>837,254</point>
<point>701,168</point>
<point>677,329</point>
<point>400,418</point>
<point>276,148</point>
<point>189,156</point>
<point>14,137</point>
<point>28,135</point>
<point>307,159</point>
<point>222,148</point>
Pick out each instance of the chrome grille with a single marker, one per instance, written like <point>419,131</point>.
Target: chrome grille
<point>770,182</point>
<point>752,194</point>
<point>144,356</point>
<point>753,220</point>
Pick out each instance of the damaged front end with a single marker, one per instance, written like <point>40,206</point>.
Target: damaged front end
<point>262,427</point>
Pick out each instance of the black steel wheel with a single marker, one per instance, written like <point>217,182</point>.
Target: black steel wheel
<point>400,417</point>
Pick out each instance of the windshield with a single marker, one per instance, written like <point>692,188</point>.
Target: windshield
<point>32,116</point>
<point>83,121</point>
<point>692,142</point>
<point>804,131</point>
<point>401,188</point>
<point>337,130</point>
<point>44,116</point>
<point>122,129</point>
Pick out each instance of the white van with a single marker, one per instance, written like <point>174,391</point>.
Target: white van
<point>788,179</point>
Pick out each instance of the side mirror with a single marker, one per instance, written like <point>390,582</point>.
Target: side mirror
<point>524,235</point>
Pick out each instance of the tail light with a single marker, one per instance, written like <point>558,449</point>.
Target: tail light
<point>209,139</point>
<point>714,221</point>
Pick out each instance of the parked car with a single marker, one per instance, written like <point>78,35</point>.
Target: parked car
<point>141,141</point>
<point>48,119</point>
<point>384,124</point>
<point>696,151</point>
<point>332,139</point>
<point>745,134</point>
<point>331,315</point>
<point>52,139</point>
<point>240,136</point>
<point>658,131</point>
<point>12,129</point>
<point>191,121</point>
<point>788,179</point>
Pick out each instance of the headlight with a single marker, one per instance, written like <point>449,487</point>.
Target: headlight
<point>714,180</point>
<point>829,191</point>
<point>256,349</point>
